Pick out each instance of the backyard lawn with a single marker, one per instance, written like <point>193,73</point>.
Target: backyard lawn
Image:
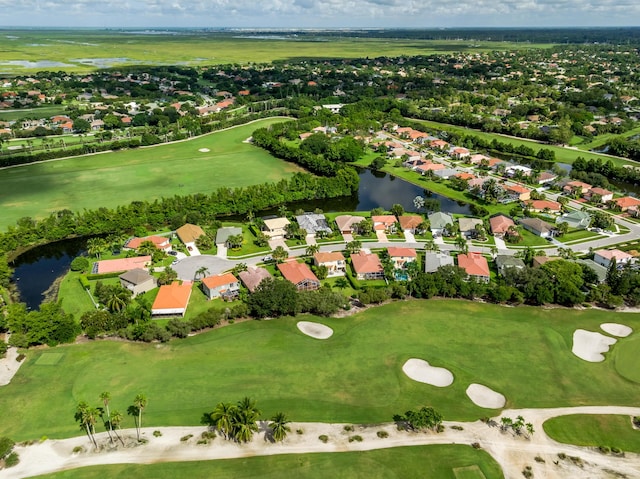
<point>355,376</point>
<point>111,179</point>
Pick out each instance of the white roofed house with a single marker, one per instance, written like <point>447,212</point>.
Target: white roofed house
<point>313,223</point>
<point>274,228</point>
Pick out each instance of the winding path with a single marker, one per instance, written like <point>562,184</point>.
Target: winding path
<point>512,452</point>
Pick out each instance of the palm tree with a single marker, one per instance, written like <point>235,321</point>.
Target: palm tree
<point>279,254</point>
<point>312,249</point>
<point>115,419</point>
<point>279,428</point>
<point>342,283</point>
<point>222,418</point>
<point>106,397</point>
<point>95,246</point>
<point>202,271</point>
<point>117,300</point>
<point>245,418</point>
<point>354,246</point>
<point>87,417</point>
<point>461,244</point>
<point>140,402</point>
<point>147,248</point>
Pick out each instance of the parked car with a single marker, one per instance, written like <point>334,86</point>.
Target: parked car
<point>172,253</point>
<point>267,258</point>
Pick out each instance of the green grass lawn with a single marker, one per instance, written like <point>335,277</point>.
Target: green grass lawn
<point>355,376</point>
<point>32,113</point>
<point>578,234</point>
<point>627,359</point>
<point>563,155</point>
<point>437,461</point>
<point>112,179</point>
<point>595,430</point>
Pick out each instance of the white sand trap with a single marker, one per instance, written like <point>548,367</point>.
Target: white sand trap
<point>204,150</point>
<point>421,371</point>
<point>588,345</point>
<point>615,329</point>
<point>315,330</point>
<point>485,397</point>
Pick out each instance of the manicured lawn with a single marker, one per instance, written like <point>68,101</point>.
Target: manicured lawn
<point>576,235</point>
<point>356,376</point>
<point>595,430</point>
<point>32,113</point>
<point>563,155</point>
<point>529,239</point>
<point>417,462</point>
<point>111,179</point>
<point>627,359</point>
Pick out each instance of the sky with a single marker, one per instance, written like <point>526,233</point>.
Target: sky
<point>318,13</point>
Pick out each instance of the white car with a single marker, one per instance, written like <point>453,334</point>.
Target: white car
<point>267,258</point>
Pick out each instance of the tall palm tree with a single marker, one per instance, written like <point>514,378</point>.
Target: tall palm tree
<point>279,428</point>
<point>202,272</point>
<point>147,248</point>
<point>95,246</point>
<point>222,418</point>
<point>106,397</point>
<point>312,249</point>
<point>140,402</point>
<point>115,419</point>
<point>86,416</point>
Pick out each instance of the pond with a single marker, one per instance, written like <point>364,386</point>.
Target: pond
<point>37,269</point>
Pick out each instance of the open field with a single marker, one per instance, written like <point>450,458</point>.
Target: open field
<point>595,431</point>
<point>116,178</point>
<point>87,50</point>
<point>563,155</point>
<point>356,376</point>
<point>406,462</point>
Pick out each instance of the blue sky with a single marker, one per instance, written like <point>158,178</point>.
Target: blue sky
<point>314,13</point>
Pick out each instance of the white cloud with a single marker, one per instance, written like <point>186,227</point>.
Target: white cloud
<point>309,13</point>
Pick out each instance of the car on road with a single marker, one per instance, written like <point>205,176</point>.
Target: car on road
<point>172,253</point>
<point>267,258</point>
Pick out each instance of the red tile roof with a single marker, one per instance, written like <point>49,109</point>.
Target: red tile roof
<point>173,296</point>
<point>212,282</point>
<point>397,252</point>
<point>500,224</point>
<point>366,263</point>
<point>296,272</point>
<point>328,257</point>
<point>160,242</point>
<point>409,222</point>
<point>122,264</point>
<point>474,264</point>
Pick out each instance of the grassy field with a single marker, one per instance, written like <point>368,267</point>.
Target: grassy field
<point>42,112</point>
<point>627,359</point>
<point>563,155</point>
<point>116,178</point>
<point>87,50</point>
<point>595,430</point>
<point>419,462</point>
<point>355,376</point>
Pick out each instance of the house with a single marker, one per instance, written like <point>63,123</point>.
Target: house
<point>137,281</point>
<point>313,223</point>
<point>540,260</point>
<point>401,256</point>
<point>275,228</point>
<point>410,223</point>
<point>605,195</point>
<point>439,221</point>
<point>436,259</point>
<point>172,299</point>
<point>546,177</point>
<point>626,202</point>
<point>347,224</point>
<point>538,227</point>
<point>385,223</point>
<point>601,271</point>
<point>465,176</point>
<point>253,276</point>
<point>367,265</point>
<point>438,145</point>
<point>160,242</point>
<point>514,170</point>
<point>517,192</point>
<point>604,257</point>
<point>225,286</point>
<point>504,261</point>
<point>122,264</point>
<point>468,226</point>
<point>543,205</point>
<point>445,173</point>
<point>575,219</point>
<point>459,152</point>
<point>189,233</point>
<point>500,224</point>
<point>429,166</point>
<point>333,261</point>
<point>300,275</point>
<point>475,265</point>
<point>576,187</point>
<point>223,234</point>
<point>478,159</point>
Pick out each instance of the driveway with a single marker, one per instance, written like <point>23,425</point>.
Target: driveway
<point>274,243</point>
<point>221,251</point>
<point>382,236</point>
<point>500,244</point>
<point>347,237</point>
<point>409,237</point>
<point>187,267</point>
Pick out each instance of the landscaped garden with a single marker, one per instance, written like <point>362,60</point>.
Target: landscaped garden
<point>355,376</point>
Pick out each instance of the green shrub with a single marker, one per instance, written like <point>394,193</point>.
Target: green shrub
<point>20,357</point>
<point>475,445</point>
<point>604,449</point>
<point>299,431</point>
<point>93,277</point>
<point>157,433</point>
<point>6,446</point>
<point>78,449</point>
<point>12,460</point>
<point>348,428</point>
<point>79,264</point>
<point>457,428</point>
<point>324,438</point>
<point>355,438</point>
<point>202,442</point>
<point>382,434</point>
<point>186,438</point>
<point>527,472</point>
<point>539,459</point>
<point>84,282</point>
<point>208,435</point>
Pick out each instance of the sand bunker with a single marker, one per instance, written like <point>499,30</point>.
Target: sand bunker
<point>421,371</point>
<point>485,397</point>
<point>615,329</point>
<point>588,345</point>
<point>204,150</point>
<point>315,330</point>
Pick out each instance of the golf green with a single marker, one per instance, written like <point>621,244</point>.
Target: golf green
<point>627,358</point>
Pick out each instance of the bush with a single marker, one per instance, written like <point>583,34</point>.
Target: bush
<point>6,446</point>
<point>186,438</point>
<point>604,449</point>
<point>12,460</point>
<point>299,431</point>
<point>208,435</point>
<point>78,449</point>
<point>84,282</point>
<point>94,277</point>
<point>157,433</point>
<point>348,428</point>
<point>355,438</point>
<point>382,434</point>
<point>324,438</point>
<point>79,264</point>
<point>457,428</point>
<point>527,472</point>
<point>202,442</point>
<point>476,445</point>
<point>539,459</point>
